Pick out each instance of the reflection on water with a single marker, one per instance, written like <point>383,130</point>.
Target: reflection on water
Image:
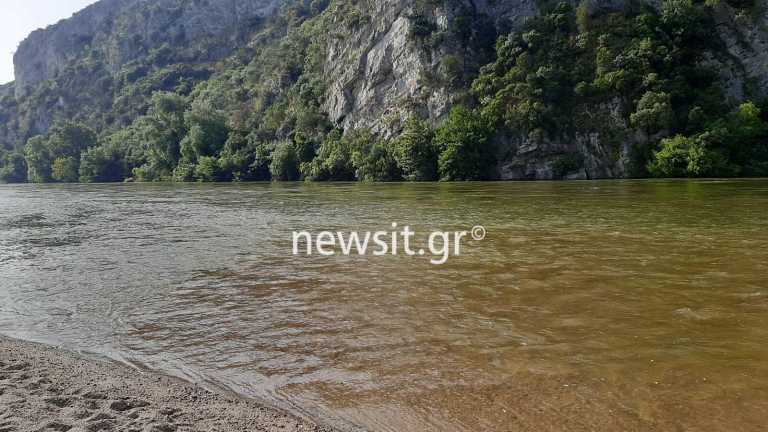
<point>629,305</point>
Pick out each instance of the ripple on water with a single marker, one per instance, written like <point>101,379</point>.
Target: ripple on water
<point>589,306</point>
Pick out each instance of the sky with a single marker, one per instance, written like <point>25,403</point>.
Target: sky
<point>20,17</point>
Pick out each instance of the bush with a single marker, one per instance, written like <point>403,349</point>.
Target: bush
<point>146,173</point>
<point>13,168</point>
<point>452,69</point>
<point>65,170</point>
<point>464,141</point>
<point>102,165</point>
<point>207,169</point>
<point>682,156</point>
<point>285,164</point>
<point>420,27</point>
<point>184,172</point>
<point>414,151</point>
<point>372,158</point>
<point>654,112</point>
<point>38,160</point>
<point>333,161</point>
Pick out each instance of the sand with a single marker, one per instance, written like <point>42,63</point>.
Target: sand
<point>47,389</point>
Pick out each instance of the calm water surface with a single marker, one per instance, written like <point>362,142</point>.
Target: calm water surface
<point>632,305</point>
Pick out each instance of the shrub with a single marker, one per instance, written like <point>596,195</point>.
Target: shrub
<point>414,151</point>
<point>464,141</point>
<point>184,172</point>
<point>333,160</point>
<point>13,168</point>
<point>372,158</point>
<point>207,169</point>
<point>102,164</point>
<point>654,112</point>
<point>65,170</point>
<point>682,156</point>
<point>285,164</point>
<point>421,27</point>
<point>452,69</point>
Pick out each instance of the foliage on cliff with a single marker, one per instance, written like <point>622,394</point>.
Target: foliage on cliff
<point>259,114</point>
<point>549,80</point>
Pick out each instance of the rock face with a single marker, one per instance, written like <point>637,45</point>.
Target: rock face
<point>377,67</point>
<point>125,28</point>
<point>379,74</point>
<point>44,53</point>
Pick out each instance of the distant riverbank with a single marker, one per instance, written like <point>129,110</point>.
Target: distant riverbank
<point>45,388</point>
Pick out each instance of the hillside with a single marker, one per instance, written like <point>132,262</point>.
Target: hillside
<point>223,90</point>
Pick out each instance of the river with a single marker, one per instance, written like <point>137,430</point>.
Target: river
<point>603,305</point>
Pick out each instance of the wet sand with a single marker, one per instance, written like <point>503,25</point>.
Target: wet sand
<point>47,389</point>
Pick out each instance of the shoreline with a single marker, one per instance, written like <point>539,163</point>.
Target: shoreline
<point>45,388</point>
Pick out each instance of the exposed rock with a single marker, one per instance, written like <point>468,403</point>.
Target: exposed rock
<point>377,72</point>
<point>122,29</point>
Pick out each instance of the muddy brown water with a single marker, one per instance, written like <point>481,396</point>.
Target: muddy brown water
<point>610,305</point>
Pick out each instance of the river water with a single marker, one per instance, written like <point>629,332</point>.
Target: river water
<point>610,305</point>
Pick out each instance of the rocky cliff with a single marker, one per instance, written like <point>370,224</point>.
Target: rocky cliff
<point>378,62</point>
<point>80,67</point>
<point>121,31</point>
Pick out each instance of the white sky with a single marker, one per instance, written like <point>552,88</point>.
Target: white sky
<point>20,17</point>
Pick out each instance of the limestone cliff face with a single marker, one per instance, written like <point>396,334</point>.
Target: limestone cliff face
<point>743,69</point>
<point>124,29</point>
<point>379,73</point>
<point>45,52</point>
<point>378,68</point>
<point>79,68</point>
<point>746,39</point>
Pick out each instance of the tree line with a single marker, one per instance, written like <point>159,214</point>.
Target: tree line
<point>555,79</point>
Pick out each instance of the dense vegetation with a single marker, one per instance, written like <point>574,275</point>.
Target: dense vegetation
<point>258,116</point>
<point>551,80</point>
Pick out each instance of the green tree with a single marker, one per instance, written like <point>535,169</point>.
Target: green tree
<point>333,161</point>
<point>373,159</point>
<point>207,133</point>
<point>65,169</point>
<point>102,164</point>
<point>38,159</point>
<point>13,168</point>
<point>68,139</point>
<point>654,112</point>
<point>262,158</point>
<point>161,131</point>
<point>56,155</point>
<point>747,141</point>
<point>207,169</point>
<point>285,163</point>
<point>465,147</point>
<point>415,152</point>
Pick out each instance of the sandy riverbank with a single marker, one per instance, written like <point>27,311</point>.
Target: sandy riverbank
<point>47,389</point>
